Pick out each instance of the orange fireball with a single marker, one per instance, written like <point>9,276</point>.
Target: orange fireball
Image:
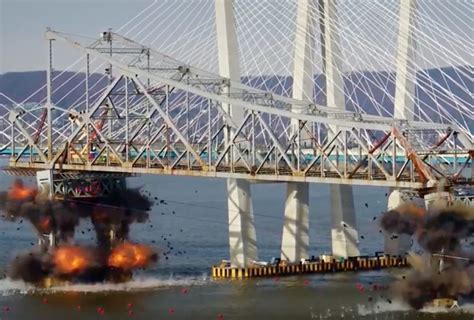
<point>131,256</point>
<point>412,209</point>
<point>44,224</point>
<point>71,259</point>
<point>20,192</point>
<point>101,216</point>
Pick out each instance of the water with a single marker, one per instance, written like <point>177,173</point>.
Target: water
<point>181,288</point>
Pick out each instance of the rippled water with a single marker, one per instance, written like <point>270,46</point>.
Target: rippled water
<point>194,221</point>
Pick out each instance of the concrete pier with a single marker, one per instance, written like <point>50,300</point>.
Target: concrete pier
<point>44,182</point>
<point>344,233</point>
<point>395,244</point>
<point>295,239</point>
<point>242,235</point>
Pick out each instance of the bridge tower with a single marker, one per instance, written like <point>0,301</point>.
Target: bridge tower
<point>404,106</point>
<point>295,239</point>
<point>242,234</point>
<point>343,219</point>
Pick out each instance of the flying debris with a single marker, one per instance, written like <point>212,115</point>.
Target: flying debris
<point>445,272</point>
<point>57,258</point>
<point>404,220</point>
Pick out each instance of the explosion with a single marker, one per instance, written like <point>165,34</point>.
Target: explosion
<point>44,225</point>
<point>406,219</point>
<point>113,259</point>
<point>19,192</point>
<point>129,256</point>
<point>446,269</point>
<point>71,260</point>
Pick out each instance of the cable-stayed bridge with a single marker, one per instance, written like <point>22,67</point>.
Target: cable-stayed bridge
<point>150,112</point>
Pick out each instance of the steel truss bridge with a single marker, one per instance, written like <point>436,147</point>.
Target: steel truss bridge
<point>162,116</point>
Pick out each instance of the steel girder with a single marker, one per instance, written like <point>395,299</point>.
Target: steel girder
<point>165,117</point>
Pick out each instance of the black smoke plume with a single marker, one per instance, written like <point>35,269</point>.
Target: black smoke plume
<point>111,217</point>
<point>404,220</point>
<point>31,267</point>
<point>117,211</point>
<point>446,269</point>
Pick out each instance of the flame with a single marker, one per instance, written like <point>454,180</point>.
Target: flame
<point>130,256</point>
<point>71,259</point>
<point>101,216</point>
<point>44,224</point>
<point>20,192</point>
<point>412,209</point>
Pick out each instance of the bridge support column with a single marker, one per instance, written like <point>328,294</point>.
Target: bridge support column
<point>396,244</point>
<point>295,238</point>
<point>242,235</point>
<point>44,181</point>
<point>343,222</point>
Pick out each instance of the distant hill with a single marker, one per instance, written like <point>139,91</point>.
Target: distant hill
<point>20,85</point>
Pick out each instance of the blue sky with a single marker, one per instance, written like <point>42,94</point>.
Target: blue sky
<point>22,23</point>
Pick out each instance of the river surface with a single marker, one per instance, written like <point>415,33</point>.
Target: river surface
<point>193,220</point>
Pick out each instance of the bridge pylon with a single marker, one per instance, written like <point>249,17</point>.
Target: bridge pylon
<point>343,218</point>
<point>242,234</point>
<point>396,244</point>
<point>295,237</point>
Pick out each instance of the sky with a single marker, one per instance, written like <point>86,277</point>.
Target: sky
<point>185,30</point>
<point>23,22</point>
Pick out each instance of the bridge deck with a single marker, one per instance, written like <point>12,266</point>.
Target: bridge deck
<point>240,172</point>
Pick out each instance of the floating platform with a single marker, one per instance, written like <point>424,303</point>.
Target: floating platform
<point>447,303</point>
<point>365,263</point>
